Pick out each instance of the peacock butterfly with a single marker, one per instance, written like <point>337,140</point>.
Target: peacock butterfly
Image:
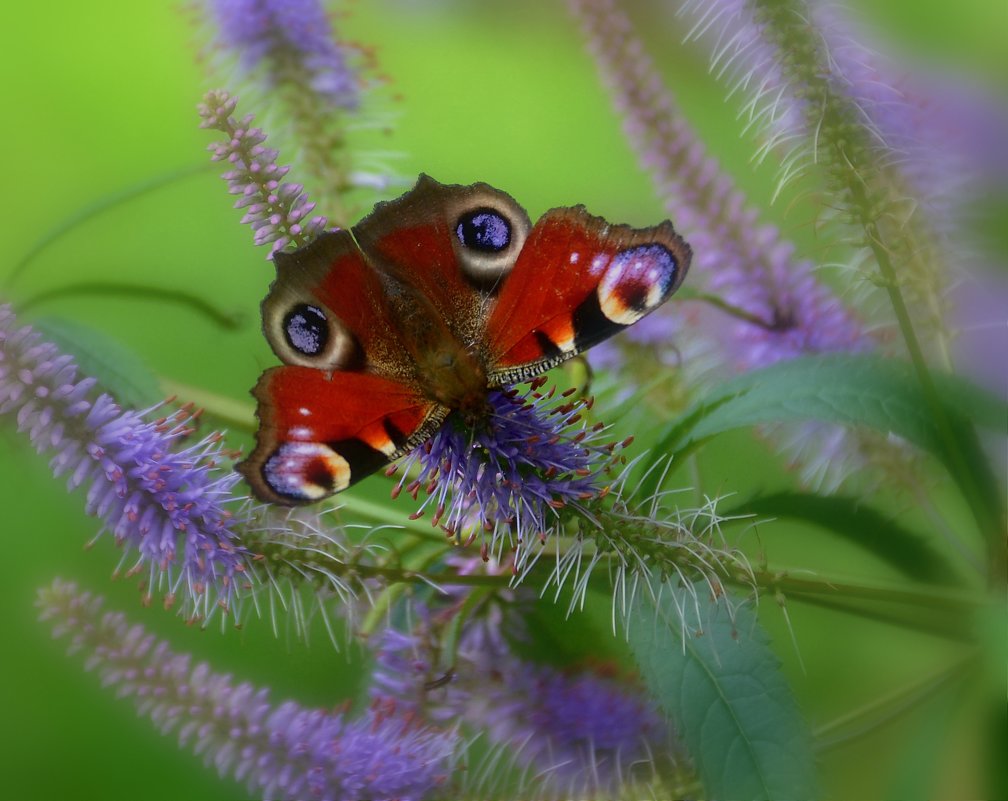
<point>427,303</point>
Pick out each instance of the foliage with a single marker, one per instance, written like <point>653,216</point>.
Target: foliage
<point>788,582</point>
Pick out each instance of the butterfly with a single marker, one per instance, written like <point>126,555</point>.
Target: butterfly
<point>422,308</point>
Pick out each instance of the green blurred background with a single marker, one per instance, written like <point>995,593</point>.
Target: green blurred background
<point>99,97</point>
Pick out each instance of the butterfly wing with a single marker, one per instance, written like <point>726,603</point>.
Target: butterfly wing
<point>453,244</point>
<point>577,281</point>
<point>321,432</point>
<point>431,298</point>
<point>378,325</point>
<point>329,309</point>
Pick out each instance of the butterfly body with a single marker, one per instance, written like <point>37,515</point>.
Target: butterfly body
<point>424,306</point>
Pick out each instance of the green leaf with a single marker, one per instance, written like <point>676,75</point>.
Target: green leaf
<point>678,431</point>
<point>851,519</point>
<point>846,389</point>
<point>721,683</point>
<point>919,760</point>
<point>119,370</point>
<point>859,389</point>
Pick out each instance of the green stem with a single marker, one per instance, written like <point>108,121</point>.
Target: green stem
<point>923,596</point>
<point>729,308</point>
<point>199,304</point>
<point>948,625</point>
<point>884,709</point>
<point>987,519</point>
<point>869,191</point>
<point>318,131</point>
<point>397,574</point>
<point>233,413</point>
<point>99,207</point>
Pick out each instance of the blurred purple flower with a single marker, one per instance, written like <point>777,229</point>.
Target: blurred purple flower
<point>939,132</point>
<point>579,733</point>
<point>163,502</point>
<point>779,309</point>
<point>510,475</point>
<point>288,39</point>
<point>786,311</point>
<point>279,750</point>
<point>278,212</point>
<point>906,155</point>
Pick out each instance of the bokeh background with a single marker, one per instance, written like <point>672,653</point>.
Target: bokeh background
<point>99,97</point>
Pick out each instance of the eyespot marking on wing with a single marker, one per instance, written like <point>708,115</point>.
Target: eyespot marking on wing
<point>488,239</point>
<point>484,230</point>
<point>305,471</point>
<point>306,330</point>
<point>308,333</point>
<point>636,281</point>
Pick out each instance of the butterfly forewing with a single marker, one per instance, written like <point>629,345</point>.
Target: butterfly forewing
<point>577,281</point>
<point>329,309</point>
<point>454,244</point>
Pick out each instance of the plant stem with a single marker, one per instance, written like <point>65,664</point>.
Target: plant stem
<point>886,708</point>
<point>233,413</point>
<point>100,206</point>
<point>927,596</point>
<point>987,519</point>
<point>196,302</point>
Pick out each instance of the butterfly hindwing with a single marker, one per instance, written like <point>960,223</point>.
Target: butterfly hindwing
<point>577,281</point>
<point>321,432</point>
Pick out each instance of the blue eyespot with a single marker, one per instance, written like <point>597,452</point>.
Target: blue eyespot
<point>484,230</point>
<point>306,330</point>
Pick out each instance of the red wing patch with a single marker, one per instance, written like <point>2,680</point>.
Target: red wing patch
<point>577,281</point>
<point>319,433</point>
<point>432,240</point>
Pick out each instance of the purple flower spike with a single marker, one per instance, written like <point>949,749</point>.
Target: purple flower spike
<point>790,312</point>
<point>288,39</point>
<point>163,503</point>
<point>278,212</point>
<point>938,131</point>
<point>580,733</point>
<point>278,750</point>
<point>510,475</point>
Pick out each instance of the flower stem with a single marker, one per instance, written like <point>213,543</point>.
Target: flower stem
<point>886,708</point>
<point>97,208</point>
<point>986,517</point>
<point>871,195</point>
<point>729,308</point>
<point>927,596</point>
<point>195,302</point>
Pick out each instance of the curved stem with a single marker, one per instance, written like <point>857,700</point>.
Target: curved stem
<point>987,519</point>
<point>197,303</point>
<point>100,207</point>
<point>729,308</point>
<point>920,596</point>
<point>886,708</point>
<point>233,413</point>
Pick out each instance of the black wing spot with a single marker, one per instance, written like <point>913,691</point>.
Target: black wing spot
<point>484,230</point>
<point>591,325</point>
<point>306,330</point>
<point>549,348</point>
<point>395,435</point>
